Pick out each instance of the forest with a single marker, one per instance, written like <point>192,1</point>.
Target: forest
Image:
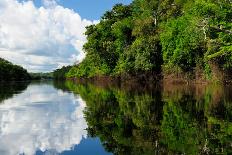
<point>160,38</point>
<point>59,74</point>
<point>11,72</point>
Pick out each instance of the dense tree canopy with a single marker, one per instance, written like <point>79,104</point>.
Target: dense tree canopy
<point>155,36</point>
<point>11,72</point>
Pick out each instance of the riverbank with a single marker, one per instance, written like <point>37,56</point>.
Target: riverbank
<point>197,77</point>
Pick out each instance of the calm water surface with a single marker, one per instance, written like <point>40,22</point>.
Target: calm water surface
<point>51,118</point>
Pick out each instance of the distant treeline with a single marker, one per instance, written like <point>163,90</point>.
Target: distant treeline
<point>41,76</point>
<point>192,37</point>
<point>11,72</point>
<point>60,74</point>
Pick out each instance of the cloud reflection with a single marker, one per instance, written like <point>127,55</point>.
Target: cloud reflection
<point>41,118</point>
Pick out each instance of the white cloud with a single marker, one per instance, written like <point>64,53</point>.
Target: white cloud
<point>40,39</point>
<point>41,118</point>
<point>49,3</point>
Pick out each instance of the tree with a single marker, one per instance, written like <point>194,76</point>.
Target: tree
<point>11,72</point>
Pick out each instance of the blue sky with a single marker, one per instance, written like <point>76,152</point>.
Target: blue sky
<point>88,9</point>
<point>45,38</point>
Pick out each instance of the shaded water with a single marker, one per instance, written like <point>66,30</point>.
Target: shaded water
<point>67,118</point>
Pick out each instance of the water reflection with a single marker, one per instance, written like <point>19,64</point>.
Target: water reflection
<point>9,89</point>
<point>59,118</point>
<point>167,119</point>
<point>41,118</point>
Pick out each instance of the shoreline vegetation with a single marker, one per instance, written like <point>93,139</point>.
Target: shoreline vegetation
<point>172,41</point>
<point>11,72</point>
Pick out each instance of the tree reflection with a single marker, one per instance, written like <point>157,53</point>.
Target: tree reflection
<point>7,90</point>
<point>169,119</point>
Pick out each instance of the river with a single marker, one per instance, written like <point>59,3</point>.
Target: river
<point>66,118</point>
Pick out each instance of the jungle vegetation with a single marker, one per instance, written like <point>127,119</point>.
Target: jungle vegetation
<point>159,37</point>
<point>60,74</point>
<point>11,72</point>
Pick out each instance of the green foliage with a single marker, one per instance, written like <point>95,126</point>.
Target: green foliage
<point>182,43</point>
<point>41,76</point>
<point>60,74</point>
<point>142,56</point>
<point>11,72</point>
<point>150,34</point>
<point>89,68</point>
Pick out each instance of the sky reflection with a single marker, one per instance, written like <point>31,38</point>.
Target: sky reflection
<point>41,118</point>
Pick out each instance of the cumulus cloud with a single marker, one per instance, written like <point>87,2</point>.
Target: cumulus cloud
<point>41,39</point>
<point>41,118</point>
<point>49,3</point>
